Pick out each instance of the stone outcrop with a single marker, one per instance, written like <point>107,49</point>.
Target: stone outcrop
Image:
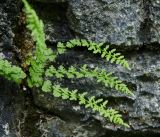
<point>130,23</point>
<point>123,24</point>
<point>142,111</point>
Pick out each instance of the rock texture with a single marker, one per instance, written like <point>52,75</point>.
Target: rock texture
<point>142,111</point>
<point>128,24</point>
<point>51,1</point>
<point>54,17</point>
<point>9,9</point>
<point>134,24</point>
<point>155,19</point>
<point>119,22</point>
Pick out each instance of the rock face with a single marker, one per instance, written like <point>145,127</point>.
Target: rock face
<point>142,111</point>
<point>119,22</point>
<point>155,19</point>
<point>134,24</point>
<point>128,24</point>
<point>54,17</point>
<point>51,1</point>
<point>7,19</point>
<point>12,105</point>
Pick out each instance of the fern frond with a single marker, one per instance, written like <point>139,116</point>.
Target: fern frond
<point>100,74</point>
<point>109,55</point>
<point>96,105</point>
<point>11,72</point>
<point>42,53</point>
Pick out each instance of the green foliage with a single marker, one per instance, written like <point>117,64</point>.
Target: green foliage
<point>42,53</point>
<point>109,55</point>
<point>11,72</point>
<point>96,105</point>
<point>42,56</point>
<point>100,74</point>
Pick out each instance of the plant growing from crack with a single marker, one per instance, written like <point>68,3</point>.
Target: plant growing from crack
<point>39,73</point>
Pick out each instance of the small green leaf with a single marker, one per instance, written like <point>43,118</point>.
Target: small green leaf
<point>47,86</point>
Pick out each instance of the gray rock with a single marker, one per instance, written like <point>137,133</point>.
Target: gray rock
<point>142,111</point>
<point>56,127</point>
<point>9,10</point>
<point>18,115</point>
<point>155,18</point>
<point>51,1</point>
<point>123,22</point>
<point>54,18</point>
<point>11,104</point>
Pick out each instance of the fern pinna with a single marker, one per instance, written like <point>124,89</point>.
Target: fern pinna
<point>11,72</point>
<point>39,73</point>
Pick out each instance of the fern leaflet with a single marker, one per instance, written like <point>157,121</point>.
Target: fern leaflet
<point>109,55</point>
<point>100,74</point>
<point>96,105</point>
<point>11,72</point>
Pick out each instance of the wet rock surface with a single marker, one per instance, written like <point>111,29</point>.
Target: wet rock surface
<point>131,24</point>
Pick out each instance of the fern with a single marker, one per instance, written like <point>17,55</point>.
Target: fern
<point>42,53</point>
<point>109,55</point>
<point>11,72</point>
<point>101,75</point>
<point>96,105</point>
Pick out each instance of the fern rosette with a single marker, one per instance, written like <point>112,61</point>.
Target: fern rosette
<point>42,55</point>
<point>39,71</point>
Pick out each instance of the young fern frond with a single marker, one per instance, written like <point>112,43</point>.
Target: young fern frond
<point>11,72</point>
<point>42,53</point>
<point>100,74</point>
<point>96,105</point>
<point>109,55</point>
